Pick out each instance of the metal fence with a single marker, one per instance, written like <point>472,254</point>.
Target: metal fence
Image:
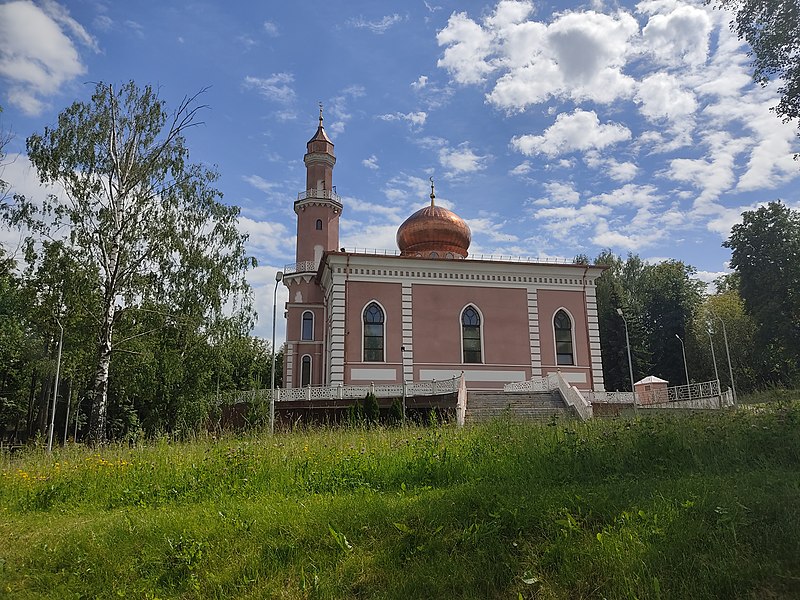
<point>678,393</point>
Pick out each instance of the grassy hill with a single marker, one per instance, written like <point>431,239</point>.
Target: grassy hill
<point>706,506</point>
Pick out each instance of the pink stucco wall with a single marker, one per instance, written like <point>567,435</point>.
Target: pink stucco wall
<point>437,324</point>
<point>311,294</point>
<point>389,296</point>
<point>549,302</point>
<point>307,234</point>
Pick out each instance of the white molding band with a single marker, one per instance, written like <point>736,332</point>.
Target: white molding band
<point>487,375</point>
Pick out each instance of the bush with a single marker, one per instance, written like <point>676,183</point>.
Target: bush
<point>372,411</point>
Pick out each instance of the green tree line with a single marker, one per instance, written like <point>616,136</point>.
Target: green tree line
<point>141,264</point>
<point>143,267</point>
<point>758,304</point>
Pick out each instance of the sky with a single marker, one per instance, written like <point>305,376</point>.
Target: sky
<point>554,129</point>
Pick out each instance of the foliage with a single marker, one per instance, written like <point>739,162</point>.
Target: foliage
<point>659,302</point>
<point>727,307</point>
<point>764,250</point>
<point>145,224</point>
<point>699,507</point>
<point>772,29</point>
<point>372,410</point>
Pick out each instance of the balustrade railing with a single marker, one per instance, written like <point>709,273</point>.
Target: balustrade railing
<point>609,397</point>
<point>534,384</point>
<point>573,397</point>
<point>483,257</point>
<point>319,193</point>
<point>306,266</point>
<point>346,392</point>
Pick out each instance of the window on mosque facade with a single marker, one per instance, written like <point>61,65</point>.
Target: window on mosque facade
<point>305,371</point>
<point>471,335</point>
<point>563,331</point>
<point>319,224</point>
<point>307,332</point>
<point>373,333</point>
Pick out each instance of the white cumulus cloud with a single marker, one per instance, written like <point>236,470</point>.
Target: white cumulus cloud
<point>37,52</point>
<point>277,87</point>
<point>577,131</point>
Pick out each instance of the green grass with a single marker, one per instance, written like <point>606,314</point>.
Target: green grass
<point>706,506</point>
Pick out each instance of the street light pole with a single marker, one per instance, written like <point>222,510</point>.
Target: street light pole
<point>628,345</point>
<point>278,279</point>
<point>685,365</point>
<point>713,355</point>
<point>55,389</point>
<point>727,353</point>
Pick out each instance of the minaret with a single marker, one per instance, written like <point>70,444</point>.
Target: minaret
<point>318,207</point>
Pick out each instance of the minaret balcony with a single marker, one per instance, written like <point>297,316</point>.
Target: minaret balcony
<point>320,194</point>
<point>306,266</point>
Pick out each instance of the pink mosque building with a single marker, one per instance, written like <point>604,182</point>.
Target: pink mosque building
<point>429,311</point>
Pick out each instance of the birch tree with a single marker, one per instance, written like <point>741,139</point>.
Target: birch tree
<point>136,212</point>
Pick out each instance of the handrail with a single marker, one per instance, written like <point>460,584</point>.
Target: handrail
<point>573,397</point>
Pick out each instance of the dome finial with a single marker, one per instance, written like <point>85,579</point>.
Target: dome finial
<point>433,193</point>
<point>320,114</point>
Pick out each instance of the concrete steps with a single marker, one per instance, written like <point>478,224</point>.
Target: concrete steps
<point>533,406</point>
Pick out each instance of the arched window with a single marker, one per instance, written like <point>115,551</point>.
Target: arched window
<point>471,335</point>
<point>319,224</point>
<point>373,333</point>
<point>305,371</point>
<point>307,331</point>
<point>562,325</point>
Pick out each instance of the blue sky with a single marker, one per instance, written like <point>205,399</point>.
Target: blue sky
<point>553,128</point>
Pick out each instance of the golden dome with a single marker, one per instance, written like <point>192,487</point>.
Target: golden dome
<point>434,232</point>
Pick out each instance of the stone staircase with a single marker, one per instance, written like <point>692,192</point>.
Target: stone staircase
<point>531,406</point>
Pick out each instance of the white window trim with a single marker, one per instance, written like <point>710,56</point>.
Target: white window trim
<point>572,335</point>
<point>385,321</point>
<point>302,319</point>
<point>461,332</point>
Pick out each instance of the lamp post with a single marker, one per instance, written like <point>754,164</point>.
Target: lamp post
<point>278,279</point>
<point>714,360</point>
<point>727,353</point>
<point>55,389</point>
<point>685,365</point>
<point>628,345</point>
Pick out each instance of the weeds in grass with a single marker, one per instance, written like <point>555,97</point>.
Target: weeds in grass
<point>700,507</point>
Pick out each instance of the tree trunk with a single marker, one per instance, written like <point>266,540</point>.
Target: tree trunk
<point>97,430</point>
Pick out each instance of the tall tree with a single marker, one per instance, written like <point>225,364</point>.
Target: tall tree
<point>726,307</point>
<point>672,297</point>
<point>149,223</point>
<point>765,248</point>
<point>772,29</point>
<point>610,294</point>
<point>659,301</point>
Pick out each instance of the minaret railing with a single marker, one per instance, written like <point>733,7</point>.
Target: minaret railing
<point>319,194</point>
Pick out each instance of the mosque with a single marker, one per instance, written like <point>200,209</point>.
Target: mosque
<point>429,311</point>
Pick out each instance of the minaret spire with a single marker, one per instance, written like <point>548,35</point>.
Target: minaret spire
<point>433,193</point>
<point>320,114</point>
